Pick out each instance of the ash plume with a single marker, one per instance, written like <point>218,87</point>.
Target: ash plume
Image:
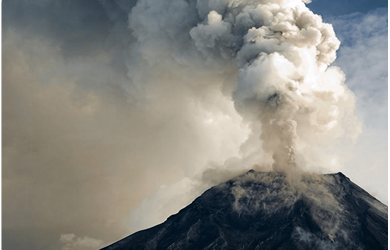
<point>279,54</point>
<point>136,107</point>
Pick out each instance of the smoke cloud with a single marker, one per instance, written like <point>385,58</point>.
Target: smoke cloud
<point>277,55</point>
<point>272,59</point>
<point>72,242</point>
<point>136,107</point>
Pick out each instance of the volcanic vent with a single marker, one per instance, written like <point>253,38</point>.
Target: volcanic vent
<point>267,210</point>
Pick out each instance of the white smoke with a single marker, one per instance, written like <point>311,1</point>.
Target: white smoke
<point>277,55</point>
<point>213,88</point>
<point>270,57</point>
<point>72,242</point>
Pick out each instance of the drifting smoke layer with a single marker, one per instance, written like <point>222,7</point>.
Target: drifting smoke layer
<point>278,51</point>
<point>70,127</point>
<point>272,192</point>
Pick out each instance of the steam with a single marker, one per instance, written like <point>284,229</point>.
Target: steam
<point>271,192</point>
<point>72,242</point>
<point>271,58</point>
<point>277,52</point>
<point>158,100</point>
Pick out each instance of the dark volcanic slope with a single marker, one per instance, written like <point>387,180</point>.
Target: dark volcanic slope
<point>268,211</point>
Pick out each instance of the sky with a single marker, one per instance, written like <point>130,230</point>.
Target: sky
<point>110,125</point>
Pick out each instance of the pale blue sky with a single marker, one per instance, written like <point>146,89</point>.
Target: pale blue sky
<point>337,8</point>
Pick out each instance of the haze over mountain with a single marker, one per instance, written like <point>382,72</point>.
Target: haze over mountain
<point>136,107</point>
<point>267,210</point>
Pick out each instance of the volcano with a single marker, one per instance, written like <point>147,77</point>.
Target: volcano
<point>269,210</point>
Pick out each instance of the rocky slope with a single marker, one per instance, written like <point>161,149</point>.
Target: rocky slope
<point>267,210</point>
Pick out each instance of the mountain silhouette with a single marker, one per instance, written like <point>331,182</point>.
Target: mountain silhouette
<point>269,210</point>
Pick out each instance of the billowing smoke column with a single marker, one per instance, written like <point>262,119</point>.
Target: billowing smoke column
<point>279,53</point>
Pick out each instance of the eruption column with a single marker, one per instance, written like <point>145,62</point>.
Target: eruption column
<point>280,52</point>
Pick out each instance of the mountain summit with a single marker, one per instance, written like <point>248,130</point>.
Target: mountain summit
<point>267,210</point>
